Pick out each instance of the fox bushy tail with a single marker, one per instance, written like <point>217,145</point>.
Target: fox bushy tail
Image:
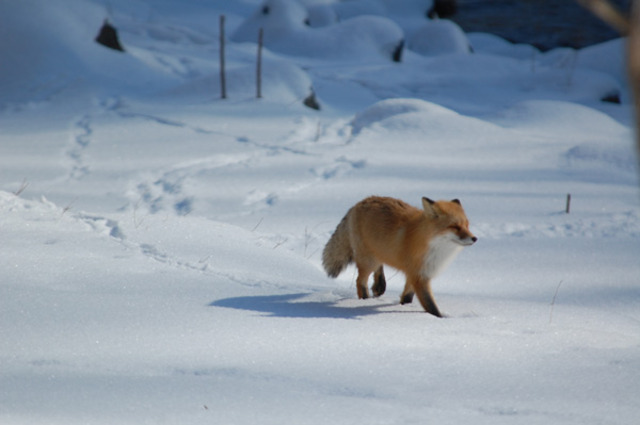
<point>337,254</point>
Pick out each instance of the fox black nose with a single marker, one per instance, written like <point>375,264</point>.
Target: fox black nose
<point>474,239</point>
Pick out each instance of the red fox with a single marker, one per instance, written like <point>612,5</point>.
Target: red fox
<point>420,243</point>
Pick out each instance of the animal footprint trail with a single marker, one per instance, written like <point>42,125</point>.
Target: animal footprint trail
<point>103,225</point>
<point>80,141</point>
<point>172,189</point>
<point>339,167</point>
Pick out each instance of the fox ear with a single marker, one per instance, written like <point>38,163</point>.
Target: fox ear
<point>426,200</point>
<point>429,207</point>
<point>457,201</point>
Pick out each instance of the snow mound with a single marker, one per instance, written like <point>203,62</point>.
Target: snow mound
<point>537,114</point>
<point>278,18</point>
<point>321,15</point>
<point>603,155</point>
<point>384,111</point>
<point>47,48</point>
<point>492,44</point>
<point>608,58</point>
<point>408,14</point>
<point>351,9</point>
<point>439,37</point>
<point>286,31</point>
<point>422,118</point>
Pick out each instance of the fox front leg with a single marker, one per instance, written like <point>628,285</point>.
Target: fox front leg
<point>407,294</point>
<point>422,288</point>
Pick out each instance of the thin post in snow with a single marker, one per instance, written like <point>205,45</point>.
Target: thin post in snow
<point>223,80</point>
<point>259,65</point>
<point>568,207</point>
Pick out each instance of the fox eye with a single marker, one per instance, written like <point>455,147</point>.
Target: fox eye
<point>455,227</point>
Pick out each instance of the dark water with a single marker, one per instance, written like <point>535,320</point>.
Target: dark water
<point>544,23</point>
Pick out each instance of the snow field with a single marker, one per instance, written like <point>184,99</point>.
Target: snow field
<point>161,247</point>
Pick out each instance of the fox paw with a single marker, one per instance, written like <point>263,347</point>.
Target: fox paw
<point>406,299</point>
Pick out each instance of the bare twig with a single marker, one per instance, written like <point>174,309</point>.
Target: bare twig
<point>137,222</point>
<point>256,226</point>
<point>22,187</point>
<point>68,207</point>
<point>313,253</point>
<point>553,302</point>
<point>281,242</point>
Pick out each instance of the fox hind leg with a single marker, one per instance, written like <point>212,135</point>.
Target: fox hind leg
<point>361,282</point>
<point>379,282</point>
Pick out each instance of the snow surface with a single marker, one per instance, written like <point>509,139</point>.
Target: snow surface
<point>161,246</point>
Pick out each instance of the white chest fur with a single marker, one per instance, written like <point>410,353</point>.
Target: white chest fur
<point>442,251</point>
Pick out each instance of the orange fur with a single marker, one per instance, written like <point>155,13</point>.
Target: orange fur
<point>382,230</point>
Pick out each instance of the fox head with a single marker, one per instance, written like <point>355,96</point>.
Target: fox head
<point>449,219</point>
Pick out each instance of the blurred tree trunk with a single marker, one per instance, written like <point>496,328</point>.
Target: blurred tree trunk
<point>629,27</point>
<point>604,10</point>
<point>633,63</point>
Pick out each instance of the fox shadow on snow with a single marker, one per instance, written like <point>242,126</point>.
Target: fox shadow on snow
<point>288,306</point>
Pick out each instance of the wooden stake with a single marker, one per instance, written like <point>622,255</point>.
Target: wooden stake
<point>223,80</point>
<point>568,208</point>
<point>259,65</point>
